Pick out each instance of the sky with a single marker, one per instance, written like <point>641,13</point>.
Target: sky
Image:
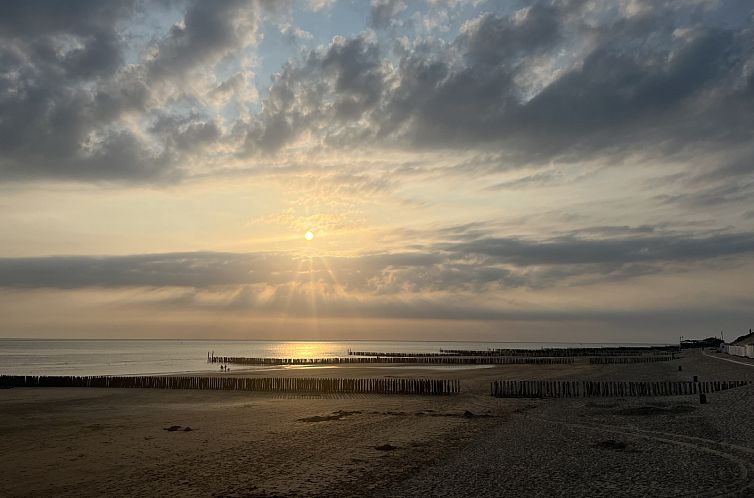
<point>555,170</point>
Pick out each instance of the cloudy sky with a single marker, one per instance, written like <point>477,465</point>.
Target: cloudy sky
<point>566,170</point>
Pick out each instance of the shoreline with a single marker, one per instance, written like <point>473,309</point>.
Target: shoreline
<point>251,370</point>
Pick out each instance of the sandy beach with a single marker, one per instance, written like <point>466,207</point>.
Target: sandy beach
<point>114,442</point>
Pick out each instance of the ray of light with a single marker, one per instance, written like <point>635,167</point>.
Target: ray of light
<point>339,289</point>
<point>313,297</point>
<point>291,289</point>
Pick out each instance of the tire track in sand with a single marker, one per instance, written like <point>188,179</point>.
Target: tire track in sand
<point>745,466</point>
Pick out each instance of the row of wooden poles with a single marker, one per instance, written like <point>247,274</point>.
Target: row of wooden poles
<point>275,384</point>
<point>435,360</point>
<point>590,389</point>
<point>563,352</point>
<point>444,360</point>
<point>382,354</point>
<point>610,360</point>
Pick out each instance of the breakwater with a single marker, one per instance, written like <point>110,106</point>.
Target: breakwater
<point>382,354</point>
<point>590,389</point>
<point>612,360</point>
<point>567,352</point>
<point>421,360</point>
<point>274,384</point>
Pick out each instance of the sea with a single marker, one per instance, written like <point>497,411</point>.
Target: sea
<point>142,357</point>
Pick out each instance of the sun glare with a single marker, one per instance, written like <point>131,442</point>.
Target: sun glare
<point>309,236</point>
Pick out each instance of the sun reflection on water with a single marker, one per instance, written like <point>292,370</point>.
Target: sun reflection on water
<point>296,349</point>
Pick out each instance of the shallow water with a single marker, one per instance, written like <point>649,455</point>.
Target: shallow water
<point>125,357</point>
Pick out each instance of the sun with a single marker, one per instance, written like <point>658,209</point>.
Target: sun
<point>309,236</point>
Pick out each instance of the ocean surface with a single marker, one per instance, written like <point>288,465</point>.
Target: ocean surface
<point>138,357</point>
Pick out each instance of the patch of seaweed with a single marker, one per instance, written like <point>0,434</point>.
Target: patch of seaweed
<point>651,410</point>
<point>338,415</point>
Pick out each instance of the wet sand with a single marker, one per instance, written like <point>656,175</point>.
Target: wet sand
<point>95,442</point>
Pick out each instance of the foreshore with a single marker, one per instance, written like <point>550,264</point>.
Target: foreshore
<point>114,442</point>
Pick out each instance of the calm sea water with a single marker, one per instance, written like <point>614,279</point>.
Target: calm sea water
<point>126,357</point>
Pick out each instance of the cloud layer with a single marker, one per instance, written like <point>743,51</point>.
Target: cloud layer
<point>88,96</point>
<point>476,160</point>
<point>464,264</point>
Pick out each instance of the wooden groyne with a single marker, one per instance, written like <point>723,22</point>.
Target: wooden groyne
<point>566,352</point>
<point>275,384</point>
<point>612,360</point>
<point>399,355</point>
<point>591,389</point>
<point>539,353</point>
<point>420,360</point>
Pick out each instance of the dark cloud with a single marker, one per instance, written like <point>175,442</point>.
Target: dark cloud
<point>553,82</point>
<point>431,101</point>
<point>670,82</point>
<point>201,269</point>
<point>640,86</point>
<point>385,11</point>
<point>69,100</point>
<point>329,90</point>
<point>50,17</point>
<point>572,250</point>
<point>59,95</point>
<point>472,264</point>
<point>619,99</point>
<point>209,30</point>
<point>198,269</point>
<point>490,40</point>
